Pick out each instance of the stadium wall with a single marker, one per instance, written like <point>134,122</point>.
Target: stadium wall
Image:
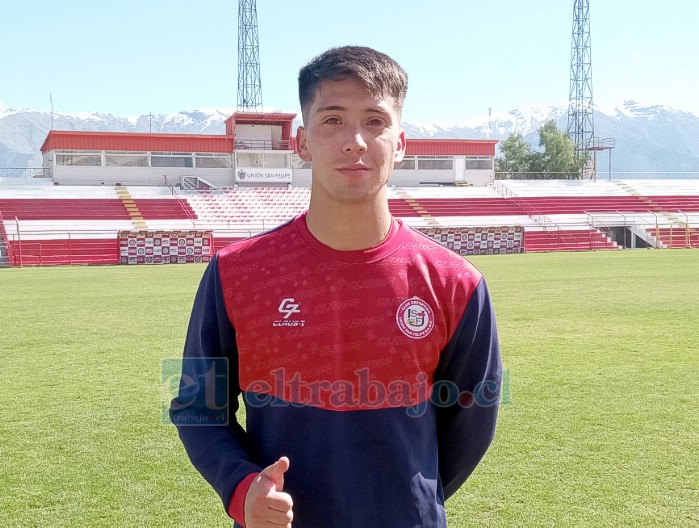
<point>479,178</point>
<point>415,178</point>
<point>225,177</point>
<point>111,176</point>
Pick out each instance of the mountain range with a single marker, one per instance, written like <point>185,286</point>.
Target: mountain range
<point>647,138</point>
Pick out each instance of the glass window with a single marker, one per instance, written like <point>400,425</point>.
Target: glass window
<point>248,159</point>
<point>479,163</point>
<point>171,161</point>
<point>408,163</point>
<point>213,162</point>
<point>123,160</point>
<point>298,163</point>
<point>274,161</point>
<point>79,160</point>
<point>435,163</point>
<point>266,160</point>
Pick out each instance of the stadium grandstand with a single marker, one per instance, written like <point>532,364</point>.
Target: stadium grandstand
<point>132,198</point>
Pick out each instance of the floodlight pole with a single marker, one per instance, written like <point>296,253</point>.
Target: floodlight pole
<point>249,83</point>
<point>581,129</point>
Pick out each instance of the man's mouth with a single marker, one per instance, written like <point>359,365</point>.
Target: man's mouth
<point>353,170</point>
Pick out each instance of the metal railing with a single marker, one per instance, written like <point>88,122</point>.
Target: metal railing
<point>180,201</point>
<point>538,176</point>
<point>540,218</point>
<point>23,172</point>
<point>659,231</point>
<point>261,144</point>
<point>29,241</point>
<point>6,241</point>
<point>686,175</point>
<point>614,175</point>
<point>236,226</point>
<point>35,243</point>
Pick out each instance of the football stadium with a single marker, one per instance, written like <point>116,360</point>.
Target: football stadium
<point>595,285</point>
<point>130,198</point>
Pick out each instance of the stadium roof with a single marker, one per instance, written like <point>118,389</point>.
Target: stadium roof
<point>140,141</point>
<point>136,141</point>
<point>450,147</point>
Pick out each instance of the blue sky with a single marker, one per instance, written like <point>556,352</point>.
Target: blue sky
<point>131,57</point>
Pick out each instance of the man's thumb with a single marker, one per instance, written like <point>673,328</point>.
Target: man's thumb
<point>276,471</point>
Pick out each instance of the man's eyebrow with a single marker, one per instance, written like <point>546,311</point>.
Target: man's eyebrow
<point>332,108</point>
<point>339,108</point>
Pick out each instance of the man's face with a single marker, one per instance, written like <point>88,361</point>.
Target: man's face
<point>353,140</point>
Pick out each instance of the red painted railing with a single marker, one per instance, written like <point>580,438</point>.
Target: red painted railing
<point>6,241</point>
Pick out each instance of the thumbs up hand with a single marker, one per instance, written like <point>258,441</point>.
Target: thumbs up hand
<point>266,504</point>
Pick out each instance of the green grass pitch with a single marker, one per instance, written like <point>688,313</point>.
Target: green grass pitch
<point>602,426</point>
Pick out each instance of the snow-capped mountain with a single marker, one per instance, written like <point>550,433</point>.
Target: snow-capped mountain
<point>648,138</point>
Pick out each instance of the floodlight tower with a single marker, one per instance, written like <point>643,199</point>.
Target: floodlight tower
<point>580,120</point>
<point>249,84</point>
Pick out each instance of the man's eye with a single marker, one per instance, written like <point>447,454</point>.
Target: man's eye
<point>332,121</point>
<point>377,122</point>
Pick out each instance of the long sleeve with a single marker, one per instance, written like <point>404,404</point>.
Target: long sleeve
<point>469,374</point>
<point>208,393</point>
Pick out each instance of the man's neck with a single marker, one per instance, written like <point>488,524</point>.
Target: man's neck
<point>350,226</point>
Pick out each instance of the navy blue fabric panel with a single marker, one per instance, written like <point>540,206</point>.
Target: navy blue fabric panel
<point>354,468</point>
<point>470,368</point>
<point>221,453</point>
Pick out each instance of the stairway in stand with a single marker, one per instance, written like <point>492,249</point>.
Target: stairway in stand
<point>419,209</point>
<point>131,208</point>
<point>4,253</point>
<point>4,258</point>
<point>567,240</point>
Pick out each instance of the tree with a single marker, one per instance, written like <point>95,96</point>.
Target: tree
<point>516,155</point>
<point>556,157</point>
<point>558,153</point>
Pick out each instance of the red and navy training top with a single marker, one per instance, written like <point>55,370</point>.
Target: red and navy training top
<point>377,372</point>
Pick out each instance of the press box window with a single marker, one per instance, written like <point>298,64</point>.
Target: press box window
<point>479,163</point>
<point>435,163</point>
<point>78,158</point>
<point>408,163</point>
<point>126,159</point>
<point>210,160</point>
<point>171,159</point>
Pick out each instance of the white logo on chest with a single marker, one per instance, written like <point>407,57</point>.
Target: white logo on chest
<point>415,318</point>
<point>289,307</point>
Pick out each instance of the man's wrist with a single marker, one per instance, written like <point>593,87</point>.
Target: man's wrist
<point>236,509</point>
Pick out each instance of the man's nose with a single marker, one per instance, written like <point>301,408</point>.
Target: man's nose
<point>354,142</point>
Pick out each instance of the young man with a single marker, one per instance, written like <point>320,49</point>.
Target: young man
<point>337,326</point>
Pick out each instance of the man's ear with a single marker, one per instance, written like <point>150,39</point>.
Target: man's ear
<point>302,145</point>
<point>400,148</point>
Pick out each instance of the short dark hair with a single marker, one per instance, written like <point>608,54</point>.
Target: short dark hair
<point>379,73</point>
